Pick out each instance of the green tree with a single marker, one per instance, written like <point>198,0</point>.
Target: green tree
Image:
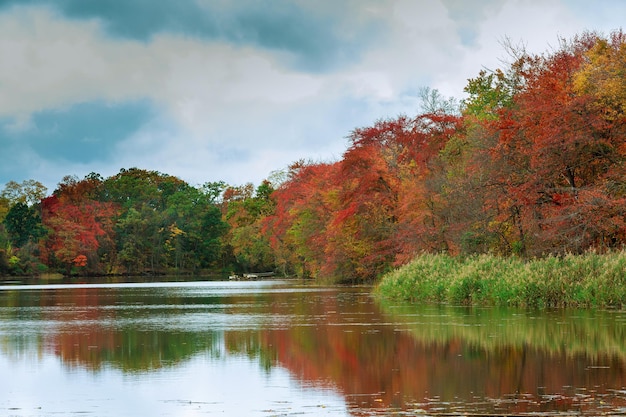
<point>135,187</point>
<point>195,227</point>
<point>489,93</point>
<point>142,225</point>
<point>23,223</point>
<point>131,253</point>
<point>246,210</point>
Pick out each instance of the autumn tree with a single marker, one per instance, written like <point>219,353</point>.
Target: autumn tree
<point>602,76</point>
<point>78,224</point>
<point>562,149</point>
<point>353,219</point>
<point>424,224</point>
<point>305,202</point>
<point>362,229</point>
<point>388,212</point>
<point>474,205</point>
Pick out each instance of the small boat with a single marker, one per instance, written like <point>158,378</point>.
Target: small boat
<point>250,276</point>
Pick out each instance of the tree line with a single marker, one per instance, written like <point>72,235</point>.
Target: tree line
<point>530,163</point>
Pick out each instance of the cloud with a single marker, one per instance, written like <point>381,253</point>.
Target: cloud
<point>598,15</point>
<point>48,63</point>
<point>203,84</point>
<point>469,16</point>
<point>314,35</point>
<point>83,132</point>
<point>219,102</point>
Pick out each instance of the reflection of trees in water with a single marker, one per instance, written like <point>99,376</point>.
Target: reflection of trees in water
<point>250,343</point>
<point>456,360</point>
<point>573,332</point>
<point>131,350</point>
<point>93,328</point>
<point>527,360</point>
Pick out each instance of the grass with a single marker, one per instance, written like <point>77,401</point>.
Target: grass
<point>589,280</point>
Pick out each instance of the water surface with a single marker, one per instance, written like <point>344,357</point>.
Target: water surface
<point>270,348</point>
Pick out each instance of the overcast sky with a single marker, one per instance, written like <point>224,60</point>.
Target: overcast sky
<point>232,90</point>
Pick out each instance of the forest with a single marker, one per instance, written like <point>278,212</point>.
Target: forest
<point>532,162</point>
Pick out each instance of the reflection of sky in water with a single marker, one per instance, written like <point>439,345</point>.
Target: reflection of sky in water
<point>213,380</point>
<point>231,386</point>
<point>210,382</point>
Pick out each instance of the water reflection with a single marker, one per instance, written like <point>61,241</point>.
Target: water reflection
<point>311,350</point>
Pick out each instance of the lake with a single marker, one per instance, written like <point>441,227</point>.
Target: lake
<point>286,348</point>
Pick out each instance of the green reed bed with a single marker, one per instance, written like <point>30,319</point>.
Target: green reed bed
<point>590,280</point>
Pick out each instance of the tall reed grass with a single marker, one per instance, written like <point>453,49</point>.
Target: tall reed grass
<point>589,280</point>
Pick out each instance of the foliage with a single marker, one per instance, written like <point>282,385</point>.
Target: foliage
<point>23,223</point>
<point>134,222</point>
<point>533,166</point>
<point>77,229</point>
<point>245,210</point>
<point>28,192</point>
<point>20,234</point>
<point>304,205</point>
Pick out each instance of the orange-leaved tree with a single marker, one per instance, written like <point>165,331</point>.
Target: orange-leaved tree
<point>297,229</point>
<point>78,224</point>
<point>556,147</point>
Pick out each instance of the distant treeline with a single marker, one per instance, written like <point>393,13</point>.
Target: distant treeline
<point>135,222</point>
<point>531,163</point>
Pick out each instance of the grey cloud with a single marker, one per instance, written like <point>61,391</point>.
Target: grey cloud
<point>468,16</point>
<point>316,36</point>
<point>82,133</point>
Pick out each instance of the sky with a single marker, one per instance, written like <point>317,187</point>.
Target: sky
<point>219,90</point>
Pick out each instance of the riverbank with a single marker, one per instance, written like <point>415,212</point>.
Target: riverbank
<point>590,280</point>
